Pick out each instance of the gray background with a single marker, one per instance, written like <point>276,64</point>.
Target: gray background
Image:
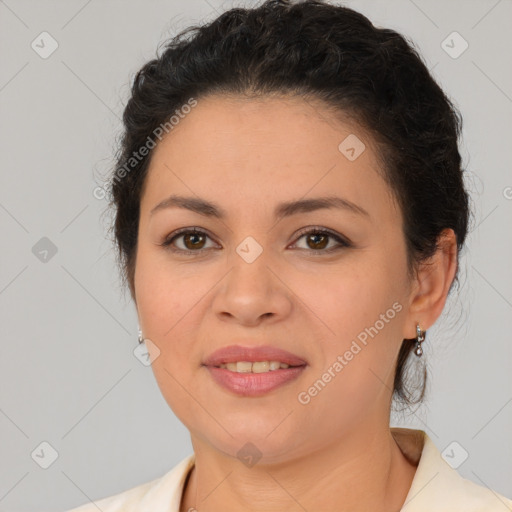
<point>68,373</point>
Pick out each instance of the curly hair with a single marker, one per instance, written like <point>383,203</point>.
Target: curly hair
<point>317,51</point>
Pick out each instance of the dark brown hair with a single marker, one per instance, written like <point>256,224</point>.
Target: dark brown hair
<point>316,51</point>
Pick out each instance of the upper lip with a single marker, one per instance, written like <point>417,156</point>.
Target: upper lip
<point>234,353</point>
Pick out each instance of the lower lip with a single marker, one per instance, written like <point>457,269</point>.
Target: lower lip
<point>254,384</point>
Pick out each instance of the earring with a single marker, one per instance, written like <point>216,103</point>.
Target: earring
<point>141,339</point>
<point>420,338</point>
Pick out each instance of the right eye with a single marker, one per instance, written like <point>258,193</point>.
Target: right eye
<point>192,238</point>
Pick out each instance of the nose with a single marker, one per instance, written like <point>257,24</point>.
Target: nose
<point>252,292</point>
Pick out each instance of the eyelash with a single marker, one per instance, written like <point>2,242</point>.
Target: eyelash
<point>344,243</point>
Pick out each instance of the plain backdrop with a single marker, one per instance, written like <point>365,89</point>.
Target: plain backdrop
<point>69,376</point>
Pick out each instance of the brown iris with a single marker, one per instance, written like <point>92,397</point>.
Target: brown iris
<point>195,240</point>
<point>315,238</point>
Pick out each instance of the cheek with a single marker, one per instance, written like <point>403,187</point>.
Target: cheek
<point>162,296</point>
<point>170,308</point>
<point>361,307</point>
<point>348,300</point>
<point>164,301</point>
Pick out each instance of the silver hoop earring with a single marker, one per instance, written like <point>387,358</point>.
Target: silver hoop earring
<point>141,339</point>
<point>420,338</point>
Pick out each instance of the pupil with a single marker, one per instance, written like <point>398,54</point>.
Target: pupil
<point>193,236</point>
<point>315,237</point>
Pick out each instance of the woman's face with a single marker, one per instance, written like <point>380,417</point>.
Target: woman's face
<point>252,279</point>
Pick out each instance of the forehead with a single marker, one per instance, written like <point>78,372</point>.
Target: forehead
<point>270,148</point>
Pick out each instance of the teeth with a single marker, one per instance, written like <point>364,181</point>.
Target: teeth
<point>243,367</point>
<point>256,367</point>
<point>261,367</point>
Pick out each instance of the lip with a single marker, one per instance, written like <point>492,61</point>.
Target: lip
<point>253,384</point>
<point>234,353</point>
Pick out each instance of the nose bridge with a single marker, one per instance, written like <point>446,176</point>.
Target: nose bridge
<point>250,262</point>
<point>251,289</point>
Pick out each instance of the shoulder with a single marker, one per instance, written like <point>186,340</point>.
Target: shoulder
<point>165,490</point>
<point>454,493</point>
<point>126,501</point>
<point>479,498</point>
<point>438,486</point>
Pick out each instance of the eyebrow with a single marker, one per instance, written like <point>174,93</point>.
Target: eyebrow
<point>286,209</point>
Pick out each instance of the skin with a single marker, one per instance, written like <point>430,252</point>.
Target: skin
<point>248,155</point>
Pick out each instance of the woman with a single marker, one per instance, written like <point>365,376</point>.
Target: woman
<point>290,210</point>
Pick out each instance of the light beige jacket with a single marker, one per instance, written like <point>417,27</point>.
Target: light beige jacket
<point>436,486</point>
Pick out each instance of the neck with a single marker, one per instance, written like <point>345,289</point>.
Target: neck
<point>363,471</point>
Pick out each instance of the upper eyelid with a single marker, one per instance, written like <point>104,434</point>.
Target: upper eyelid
<point>306,230</point>
<point>168,240</point>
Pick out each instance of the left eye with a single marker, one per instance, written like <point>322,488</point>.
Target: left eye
<point>317,239</point>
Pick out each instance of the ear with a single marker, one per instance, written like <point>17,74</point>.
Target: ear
<point>431,285</point>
